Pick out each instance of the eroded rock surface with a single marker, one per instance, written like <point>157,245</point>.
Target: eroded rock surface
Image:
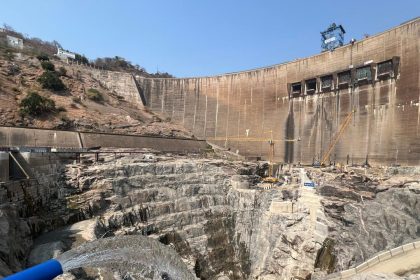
<point>212,211</point>
<point>369,214</point>
<point>219,217</point>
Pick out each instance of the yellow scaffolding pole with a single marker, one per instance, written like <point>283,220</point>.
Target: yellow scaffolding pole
<point>270,141</point>
<point>337,137</point>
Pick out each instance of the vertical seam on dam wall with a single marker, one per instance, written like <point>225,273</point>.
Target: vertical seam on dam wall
<point>139,91</point>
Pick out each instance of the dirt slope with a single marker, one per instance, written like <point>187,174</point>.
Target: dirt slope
<point>18,76</point>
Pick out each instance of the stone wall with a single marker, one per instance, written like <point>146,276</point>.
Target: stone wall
<point>384,128</point>
<point>120,83</point>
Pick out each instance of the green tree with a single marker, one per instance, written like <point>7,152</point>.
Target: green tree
<point>43,57</point>
<point>82,59</point>
<point>62,71</point>
<point>94,94</point>
<point>48,66</point>
<point>34,105</point>
<point>50,80</point>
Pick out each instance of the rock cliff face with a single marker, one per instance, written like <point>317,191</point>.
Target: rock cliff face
<point>29,208</point>
<point>211,211</point>
<point>220,218</point>
<point>368,214</point>
<point>182,202</point>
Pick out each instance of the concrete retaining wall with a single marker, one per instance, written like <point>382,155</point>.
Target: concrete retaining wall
<point>16,136</point>
<point>384,256</point>
<point>4,167</point>
<point>13,136</point>
<point>130,141</point>
<point>381,257</point>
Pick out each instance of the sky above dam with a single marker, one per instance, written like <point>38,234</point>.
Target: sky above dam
<point>199,38</point>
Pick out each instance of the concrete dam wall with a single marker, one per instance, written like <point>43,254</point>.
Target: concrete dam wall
<point>306,101</point>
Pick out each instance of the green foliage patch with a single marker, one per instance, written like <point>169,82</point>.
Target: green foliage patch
<point>94,94</point>
<point>43,57</point>
<point>50,80</point>
<point>62,71</point>
<point>47,66</point>
<point>34,105</point>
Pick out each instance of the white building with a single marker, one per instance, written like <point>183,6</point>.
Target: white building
<point>65,54</point>
<point>14,42</point>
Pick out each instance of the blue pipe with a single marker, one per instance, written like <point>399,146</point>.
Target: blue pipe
<point>44,271</point>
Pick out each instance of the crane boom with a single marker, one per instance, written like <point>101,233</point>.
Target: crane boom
<point>337,137</point>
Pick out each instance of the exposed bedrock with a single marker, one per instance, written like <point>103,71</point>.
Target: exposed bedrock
<point>28,208</point>
<point>215,213</point>
<point>369,214</point>
<point>211,211</point>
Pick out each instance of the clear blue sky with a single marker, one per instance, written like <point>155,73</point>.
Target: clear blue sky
<point>198,37</point>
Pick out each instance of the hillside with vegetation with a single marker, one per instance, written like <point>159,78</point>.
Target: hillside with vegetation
<point>116,63</point>
<point>39,90</point>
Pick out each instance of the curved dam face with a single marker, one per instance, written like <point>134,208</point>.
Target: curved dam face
<point>305,102</point>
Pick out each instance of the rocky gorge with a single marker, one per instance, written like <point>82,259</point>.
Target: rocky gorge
<point>223,221</point>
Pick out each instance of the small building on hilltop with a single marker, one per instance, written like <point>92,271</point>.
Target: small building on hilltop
<point>64,55</point>
<point>14,42</point>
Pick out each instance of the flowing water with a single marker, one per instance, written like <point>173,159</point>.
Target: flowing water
<point>133,257</point>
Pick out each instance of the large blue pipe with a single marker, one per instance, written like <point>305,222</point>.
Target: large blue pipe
<point>44,271</point>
